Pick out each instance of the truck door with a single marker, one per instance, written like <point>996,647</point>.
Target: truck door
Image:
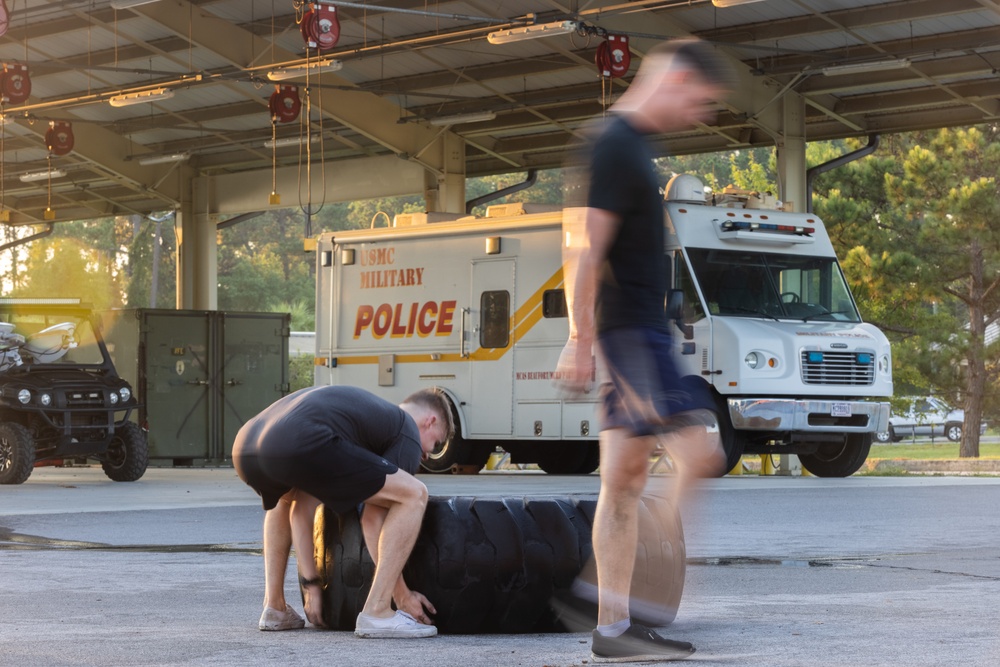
<point>490,347</point>
<point>693,339</point>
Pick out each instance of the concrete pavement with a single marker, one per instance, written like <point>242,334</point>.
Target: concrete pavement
<point>782,572</point>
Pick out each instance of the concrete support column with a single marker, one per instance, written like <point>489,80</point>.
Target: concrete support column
<point>445,192</point>
<point>791,152</point>
<point>197,255</point>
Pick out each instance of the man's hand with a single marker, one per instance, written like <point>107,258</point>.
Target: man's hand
<point>314,605</point>
<point>575,369</point>
<point>416,605</point>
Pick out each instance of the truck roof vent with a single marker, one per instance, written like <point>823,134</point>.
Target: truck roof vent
<point>686,189</point>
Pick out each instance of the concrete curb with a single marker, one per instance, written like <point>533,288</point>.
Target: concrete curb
<point>935,466</point>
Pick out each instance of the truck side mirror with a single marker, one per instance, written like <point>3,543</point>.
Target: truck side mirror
<point>675,312</point>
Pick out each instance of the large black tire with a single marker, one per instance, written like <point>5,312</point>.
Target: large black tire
<point>733,442</point>
<point>127,455</point>
<point>569,458</point>
<point>491,565</point>
<point>17,453</point>
<point>839,459</point>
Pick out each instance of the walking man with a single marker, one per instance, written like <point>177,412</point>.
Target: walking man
<point>343,446</point>
<point>618,282</point>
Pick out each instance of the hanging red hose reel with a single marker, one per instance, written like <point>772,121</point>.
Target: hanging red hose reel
<point>15,83</point>
<point>613,57</point>
<point>284,103</point>
<point>59,137</point>
<point>320,27</point>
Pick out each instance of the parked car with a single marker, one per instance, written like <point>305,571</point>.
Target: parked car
<point>925,416</point>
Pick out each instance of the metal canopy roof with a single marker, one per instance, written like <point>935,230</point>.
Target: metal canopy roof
<point>403,68</point>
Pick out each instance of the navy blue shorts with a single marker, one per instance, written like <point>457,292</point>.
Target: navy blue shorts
<point>644,392</point>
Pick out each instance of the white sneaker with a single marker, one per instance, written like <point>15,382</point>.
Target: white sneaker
<point>272,619</point>
<point>399,625</point>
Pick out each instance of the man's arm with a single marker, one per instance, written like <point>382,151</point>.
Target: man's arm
<point>600,230</point>
<point>412,602</point>
<point>301,518</point>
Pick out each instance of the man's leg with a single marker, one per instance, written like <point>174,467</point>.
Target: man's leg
<point>624,468</point>
<point>404,498</point>
<point>277,544</point>
<point>277,615</point>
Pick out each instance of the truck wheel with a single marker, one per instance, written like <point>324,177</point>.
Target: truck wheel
<point>469,455</point>
<point>491,565</point>
<point>884,436</point>
<point>839,459</point>
<point>127,455</point>
<point>17,453</point>
<point>953,431</point>
<point>733,442</point>
<point>569,458</point>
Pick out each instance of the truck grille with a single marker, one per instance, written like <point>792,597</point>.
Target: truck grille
<point>842,368</point>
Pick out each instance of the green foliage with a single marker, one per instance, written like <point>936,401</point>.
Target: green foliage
<point>300,372</point>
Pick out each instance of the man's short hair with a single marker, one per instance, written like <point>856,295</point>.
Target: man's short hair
<point>433,398</point>
<point>700,56</point>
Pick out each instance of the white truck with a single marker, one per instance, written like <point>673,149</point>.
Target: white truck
<point>759,308</point>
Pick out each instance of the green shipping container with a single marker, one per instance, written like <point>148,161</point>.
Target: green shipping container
<point>200,375</point>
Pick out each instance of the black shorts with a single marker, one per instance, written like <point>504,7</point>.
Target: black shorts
<point>644,391</point>
<point>339,473</point>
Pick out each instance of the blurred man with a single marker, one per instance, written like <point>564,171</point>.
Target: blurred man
<point>618,283</point>
<point>343,446</point>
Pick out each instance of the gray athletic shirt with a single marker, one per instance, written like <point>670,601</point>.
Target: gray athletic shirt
<point>318,415</point>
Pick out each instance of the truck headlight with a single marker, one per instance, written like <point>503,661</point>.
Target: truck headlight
<point>114,398</point>
<point>24,396</point>
<point>752,360</point>
<point>45,399</point>
<point>883,363</point>
<point>125,393</point>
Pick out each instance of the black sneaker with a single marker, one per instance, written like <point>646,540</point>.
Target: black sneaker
<point>636,644</point>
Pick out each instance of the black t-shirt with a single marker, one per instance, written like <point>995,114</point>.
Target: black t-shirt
<point>633,282</point>
<point>325,415</point>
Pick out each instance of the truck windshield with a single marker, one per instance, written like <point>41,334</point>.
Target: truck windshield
<point>756,284</point>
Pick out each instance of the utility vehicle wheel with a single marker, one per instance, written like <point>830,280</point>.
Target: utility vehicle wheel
<point>733,441</point>
<point>839,459</point>
<point>491,565</point>
<point>953,431</point>
<point>127,455</point>
<point>470,454</point>
<point>569,458</point>
<point>17,453</point>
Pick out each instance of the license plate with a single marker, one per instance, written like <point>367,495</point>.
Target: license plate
<point>840,410</point>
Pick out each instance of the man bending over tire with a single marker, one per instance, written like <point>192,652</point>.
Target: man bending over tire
<point>343,446</point>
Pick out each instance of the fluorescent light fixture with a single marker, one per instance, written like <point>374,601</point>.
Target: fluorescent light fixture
<point>297,71</point>
<point>870,66</point>
<point>290,141</point>
<point>732,3</point>
<point>128,99</point>
<point>147,160</point>
<point>532,32</point>
<point>458,119</point>
<point>33,176</point>
<point>129,4</point>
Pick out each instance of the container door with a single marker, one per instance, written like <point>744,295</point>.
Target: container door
<point>179,400</point>
<point>253,368</point>
<point>490,345</point>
